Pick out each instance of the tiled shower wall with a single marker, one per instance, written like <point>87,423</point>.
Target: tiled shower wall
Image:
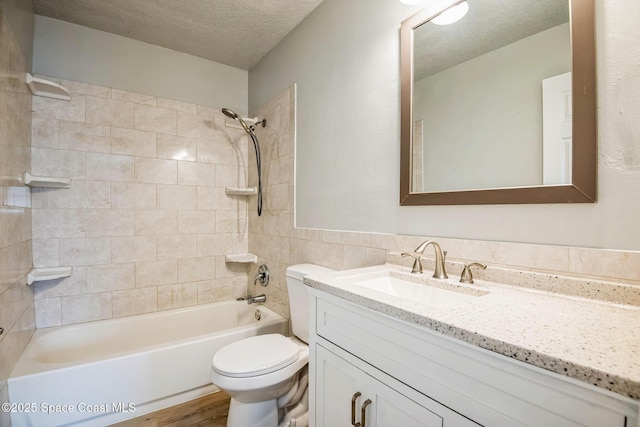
<point>146,222</point>
<point>17,318</point>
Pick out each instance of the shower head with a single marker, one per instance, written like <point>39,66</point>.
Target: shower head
<point>233,115</point>
<point>230,113</point>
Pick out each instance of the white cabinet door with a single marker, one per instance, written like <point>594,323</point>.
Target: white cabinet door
<point>383,401</point>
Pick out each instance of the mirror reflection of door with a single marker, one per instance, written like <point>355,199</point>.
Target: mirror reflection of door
<point>416,157</point>
<point>556,130</point>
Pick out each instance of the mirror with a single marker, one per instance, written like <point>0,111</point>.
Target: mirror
<point>499,107</point>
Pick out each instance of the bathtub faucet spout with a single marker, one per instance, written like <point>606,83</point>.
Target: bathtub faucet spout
<point>257,299</point>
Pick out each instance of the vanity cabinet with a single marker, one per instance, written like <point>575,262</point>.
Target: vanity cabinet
<point>413,376</point>
<point>351,392</point>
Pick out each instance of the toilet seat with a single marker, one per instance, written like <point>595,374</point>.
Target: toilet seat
<point>255,356</point>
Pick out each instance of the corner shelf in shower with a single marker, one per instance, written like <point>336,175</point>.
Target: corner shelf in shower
<point>245,258</point>
<point>241,191</point>
<point>46,88</point>
<point>46,181</point>
<point>41,274</point>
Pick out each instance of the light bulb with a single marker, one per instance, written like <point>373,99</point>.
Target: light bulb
<point>413,2</point>
<point>451,15</point>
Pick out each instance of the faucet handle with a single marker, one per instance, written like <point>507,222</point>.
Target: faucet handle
<point>263,276</point>
<point>466,276</point>
<point>417,264</point>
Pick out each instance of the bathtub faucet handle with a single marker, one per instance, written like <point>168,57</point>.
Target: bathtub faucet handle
<point>263,276</point>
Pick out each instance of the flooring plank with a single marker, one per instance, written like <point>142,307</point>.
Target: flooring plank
<point>210,410</point>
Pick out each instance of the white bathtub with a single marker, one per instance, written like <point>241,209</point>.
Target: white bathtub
<point>98,373</point>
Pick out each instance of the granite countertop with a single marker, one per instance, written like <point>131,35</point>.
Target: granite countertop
<point>590,340</point>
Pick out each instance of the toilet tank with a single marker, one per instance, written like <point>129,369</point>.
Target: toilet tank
<point>298,297</point>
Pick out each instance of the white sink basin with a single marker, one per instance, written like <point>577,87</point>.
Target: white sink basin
<point>421,293</point>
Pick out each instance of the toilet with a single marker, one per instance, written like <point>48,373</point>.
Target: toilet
<point>261,373</point>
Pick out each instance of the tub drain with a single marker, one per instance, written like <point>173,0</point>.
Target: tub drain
<point>258,315</point>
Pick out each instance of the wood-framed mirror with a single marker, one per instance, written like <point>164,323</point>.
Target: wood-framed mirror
<point>463,140</point>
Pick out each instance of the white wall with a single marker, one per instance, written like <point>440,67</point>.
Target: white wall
<point>344,58</point>
<point>74,52</point>
<point>484,115</point>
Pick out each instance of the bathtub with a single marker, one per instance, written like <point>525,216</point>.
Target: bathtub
<point>102,372</point>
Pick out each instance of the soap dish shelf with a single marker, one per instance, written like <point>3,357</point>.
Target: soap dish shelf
<point>41,274</point>
<point>240,191</point>
<point>46,88</point>
<point>45,181</point>
<point>244,258</point>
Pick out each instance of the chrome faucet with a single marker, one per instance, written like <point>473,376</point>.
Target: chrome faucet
<point>257,299</point>
<point>440,270</point>
<point>263,278</point>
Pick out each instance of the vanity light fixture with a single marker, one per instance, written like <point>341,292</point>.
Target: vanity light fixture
<point>451,15</point>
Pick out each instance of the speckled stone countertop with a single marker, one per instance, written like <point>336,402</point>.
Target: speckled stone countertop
<point>590,340</point>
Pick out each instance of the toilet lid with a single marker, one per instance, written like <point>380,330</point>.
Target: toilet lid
<point>257,355</point>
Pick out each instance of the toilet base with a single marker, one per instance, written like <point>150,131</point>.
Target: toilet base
<point>259,414</point>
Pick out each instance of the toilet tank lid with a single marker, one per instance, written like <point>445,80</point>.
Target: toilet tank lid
<point>299,271</point>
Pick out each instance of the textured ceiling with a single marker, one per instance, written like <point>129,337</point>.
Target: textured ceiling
<point>233,32</point>
<point>489,25</point>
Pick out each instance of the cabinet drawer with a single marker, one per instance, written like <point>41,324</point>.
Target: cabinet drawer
<point>482,385</point>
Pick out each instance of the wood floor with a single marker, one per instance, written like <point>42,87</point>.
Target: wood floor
<point>210,410</point>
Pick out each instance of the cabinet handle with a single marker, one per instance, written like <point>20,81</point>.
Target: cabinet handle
<point>353,409</point>
<point>363,413</point>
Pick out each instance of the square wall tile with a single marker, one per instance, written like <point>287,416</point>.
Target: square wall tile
<point>112,277</point>
<point>58,163</point>
<point>58,223</point>
<point>176,197</point>
<point>109,167</point>
<point>44,133</point>
<point>196,126</point>
<point>156,222</point>
<point>85,251</point>
<point>84,194</point>
<point>156,273</point>
<point>177,246</point>
<point>126,195</point>
<point>156,171</point>
<point>196,269</point>
<point>86,89</point>
<point>110,112</point>
<point>196,222</point>
<point>175,296</point>
<point>83,137</point>
<point>175,147</point>
<point>86,308</point>
<point>132,142</point>
<point>156,119</point>
<point>107,222</point>
<point>133,249</point>
<point>50,108</point>
<point>48,312</point>
<point>135,301</point>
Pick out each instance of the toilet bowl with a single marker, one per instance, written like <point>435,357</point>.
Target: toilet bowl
<point>259,371</point>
